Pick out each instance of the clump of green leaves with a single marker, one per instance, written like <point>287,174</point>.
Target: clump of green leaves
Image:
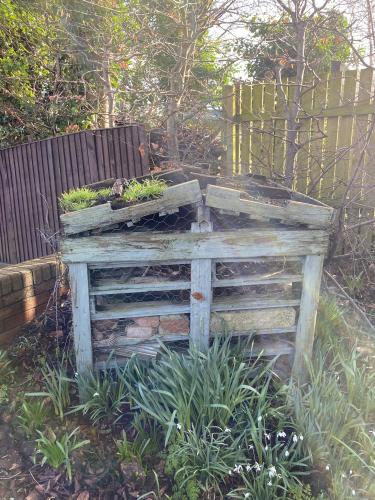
<point>57,452</point>
<point>103,194</point>
<point>57,385</point>
<point>32,416</point>
<point>77,199</point>
<point>146,190</point>
<point>130,450</point>
<point>104,395</point>
<point>5,366</point>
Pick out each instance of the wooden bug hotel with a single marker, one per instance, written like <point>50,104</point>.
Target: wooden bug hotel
<point>209,256</point>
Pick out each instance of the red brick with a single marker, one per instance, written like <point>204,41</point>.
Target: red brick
<point>174,325</point>
<point>152,321</point>
<point>139,332</point>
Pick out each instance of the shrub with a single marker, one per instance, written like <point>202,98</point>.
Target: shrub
<point>77,199</point>
<point>58,452</point>
<point>146,190</point>
<point>104,395</point>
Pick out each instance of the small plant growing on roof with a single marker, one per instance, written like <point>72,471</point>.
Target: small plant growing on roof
<point>77,199</point>
<point>58,452</point>
<point>103,194</point>
<point>146,190</point>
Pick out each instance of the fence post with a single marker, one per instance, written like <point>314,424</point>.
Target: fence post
<point>312,274</point>
<point>228,110</point>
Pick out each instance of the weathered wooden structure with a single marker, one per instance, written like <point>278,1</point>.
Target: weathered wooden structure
<point>211,256</point>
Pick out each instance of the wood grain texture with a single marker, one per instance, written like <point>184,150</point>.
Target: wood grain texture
<point>81,316</point>
<point>144,247</point>
<point>312,270</point>
<point>293,211</point>
<point>102,216</point>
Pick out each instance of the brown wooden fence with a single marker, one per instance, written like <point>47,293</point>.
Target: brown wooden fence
<point>336,160</point>
<point>32,177</point>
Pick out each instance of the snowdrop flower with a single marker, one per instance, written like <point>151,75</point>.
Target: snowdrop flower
<point>295,438</point>
<point>251,446</point>
<point>179,426</point>
<point>76,374</point>
<point>227,429</point>
<point>260,418</point>
<point>281,434</point>
<point>266,447</point>
<point>267,436</point>
<point>95,394</point>
<point>238,469</point>
<point>300,437</point>
<point>248,468</point>
<point>327,467</point>
<point>350,472</point>
<point>269,483</point>
<point>353,493</point>
<point>257,467</point>
<point>286,453</point>
<point>272,471</point>
<point>343,475</point>
<point>372,432</point>
<point>247,495</point>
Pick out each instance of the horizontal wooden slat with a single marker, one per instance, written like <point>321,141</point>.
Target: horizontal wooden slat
<point>109,287</point>
<point>288,210</point>
<point>140,309</point>
<point>120,265</point>
<point>258,279</point>
<point>102,216</point>
<point>241,303</point>
<point>144,247</point>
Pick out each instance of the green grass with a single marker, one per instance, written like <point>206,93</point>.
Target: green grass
<point>147,190</point>
<point>77,199</point>
<point>336,411</point>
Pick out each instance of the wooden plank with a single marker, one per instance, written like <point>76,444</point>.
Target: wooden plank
<point>344,139</point>
<point>129,166</point>
<point>143,150</point>
<point>237,138</point>
<point>39,199</point>
<point>99,154</point>
<point>312,271</point>
<point>10,213</point>
<point>79,285</point>
<point>258,279</point>
<point>256,129</point>
<point>31,199</point>
<point>201,290</point>
<point>144,247</point>
<point>113,287</point>
<point>304,137</point>
<point>140,309</point>
<point>269,102</point>
<point>294,211</point>
<point>245,129</point>
<point>280,133</point>
<point>228,108</point>
<point>137,156</point>
<point>103,215</point>
<point>249,303</point>
<point>92,160</point>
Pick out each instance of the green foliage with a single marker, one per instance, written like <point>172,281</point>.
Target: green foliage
<point>337,407</point>
<point>5,366</point>
<point>57,385</point>
<point>77,199</point>
<point>103,193</point>
<point>130,450</point>
<point>32,416</point>
<point>146,190</point>
<point>57,452</point>
<point>105,396</point>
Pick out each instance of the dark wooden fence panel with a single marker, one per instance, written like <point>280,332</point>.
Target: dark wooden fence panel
<point>32,177</point>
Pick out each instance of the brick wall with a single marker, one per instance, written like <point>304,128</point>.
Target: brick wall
<point>25,290</point>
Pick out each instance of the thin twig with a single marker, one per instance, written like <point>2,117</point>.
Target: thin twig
<point>352,301</point>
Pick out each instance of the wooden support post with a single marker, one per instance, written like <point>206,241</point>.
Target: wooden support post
<point>201,290</point>
<point>312,274</point>
<point>79,285</point>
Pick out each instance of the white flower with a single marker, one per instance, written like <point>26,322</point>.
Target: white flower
<point>230,472</point>
<point>350,472</point>
<point>266,447</point>
<point>301,437</point>
<point>327,467</point>
<point>267,436</point>
<point>343,475</point>
<point>179,426</point>
<point>257,467</point>
<point>272,471</point>
<point>95,394</point>
<point>372,432</point>
<point>251,446</point>
<point>76,374</point>
<point>238,469</point>
<point>353,493</point>
<point>247,495</point>
<point>259,418</point>
<point>295,438</point>
<point>269,483</point>
<point>281,434</point>
<point>248,468</point>
<point>286,453</point>
<point>227,429</point>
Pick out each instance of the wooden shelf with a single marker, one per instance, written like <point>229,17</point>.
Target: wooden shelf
<point>140,309</point>
<point>258,279</point>
<point>111,287</point>
<point>248,303</point>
